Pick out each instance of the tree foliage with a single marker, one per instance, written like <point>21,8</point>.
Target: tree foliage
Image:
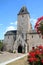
<point>1,45</point>
<point>40,28</point>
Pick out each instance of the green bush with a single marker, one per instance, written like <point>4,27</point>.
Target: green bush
<point>1,45</point>
<point>14,51</point>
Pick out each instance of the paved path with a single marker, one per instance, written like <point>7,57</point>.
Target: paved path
<point>6,56</point>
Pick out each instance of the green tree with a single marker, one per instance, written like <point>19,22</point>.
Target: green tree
<point>1,45</point>
<point>40,28</point>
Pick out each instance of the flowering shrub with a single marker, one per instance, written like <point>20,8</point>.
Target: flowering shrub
<point>35,57</point>
<point>39,26</point>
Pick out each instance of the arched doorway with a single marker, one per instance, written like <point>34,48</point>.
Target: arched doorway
<point>20,49</point>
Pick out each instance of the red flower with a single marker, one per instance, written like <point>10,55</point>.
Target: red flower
<point>31,59</point>
<point>38,24</point>
<point>42,61</point>
<point>32,54</point>
<point>37,52</point>
<point>40,47</point>
<point>35,59</point>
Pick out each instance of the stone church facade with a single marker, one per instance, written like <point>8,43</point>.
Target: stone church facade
<point>24,38</point>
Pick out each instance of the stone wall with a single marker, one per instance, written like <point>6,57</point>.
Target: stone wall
<point>8,42</point>
<point>34,40</point>
<point>23,24</point>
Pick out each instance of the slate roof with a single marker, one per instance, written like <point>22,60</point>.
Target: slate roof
<point>23,10</point>
<point>11,32</point>
<point>14,32</point>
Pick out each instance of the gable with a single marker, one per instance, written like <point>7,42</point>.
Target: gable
<point>19,40</point>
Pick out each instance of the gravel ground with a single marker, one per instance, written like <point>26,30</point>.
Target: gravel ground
<point>5,56</point>
<point>22,61</point>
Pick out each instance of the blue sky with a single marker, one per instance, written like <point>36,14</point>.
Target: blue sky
<point>10,8</point>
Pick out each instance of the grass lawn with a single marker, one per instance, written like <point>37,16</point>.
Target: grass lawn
<point>22,61</point>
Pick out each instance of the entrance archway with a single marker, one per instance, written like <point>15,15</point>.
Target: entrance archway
<point>20,49</point>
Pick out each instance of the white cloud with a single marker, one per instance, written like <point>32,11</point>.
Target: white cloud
<point>14,23</point>
<point>33,21</point>
<point>10,28</point>
<point>13,26</point>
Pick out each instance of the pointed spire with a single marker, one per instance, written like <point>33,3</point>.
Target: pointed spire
<point>23,10</point>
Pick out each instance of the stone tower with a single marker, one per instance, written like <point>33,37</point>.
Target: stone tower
<point>23,25</point>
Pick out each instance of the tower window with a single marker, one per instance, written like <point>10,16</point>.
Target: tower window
<point>22,10</point>
<point>8,37</point>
